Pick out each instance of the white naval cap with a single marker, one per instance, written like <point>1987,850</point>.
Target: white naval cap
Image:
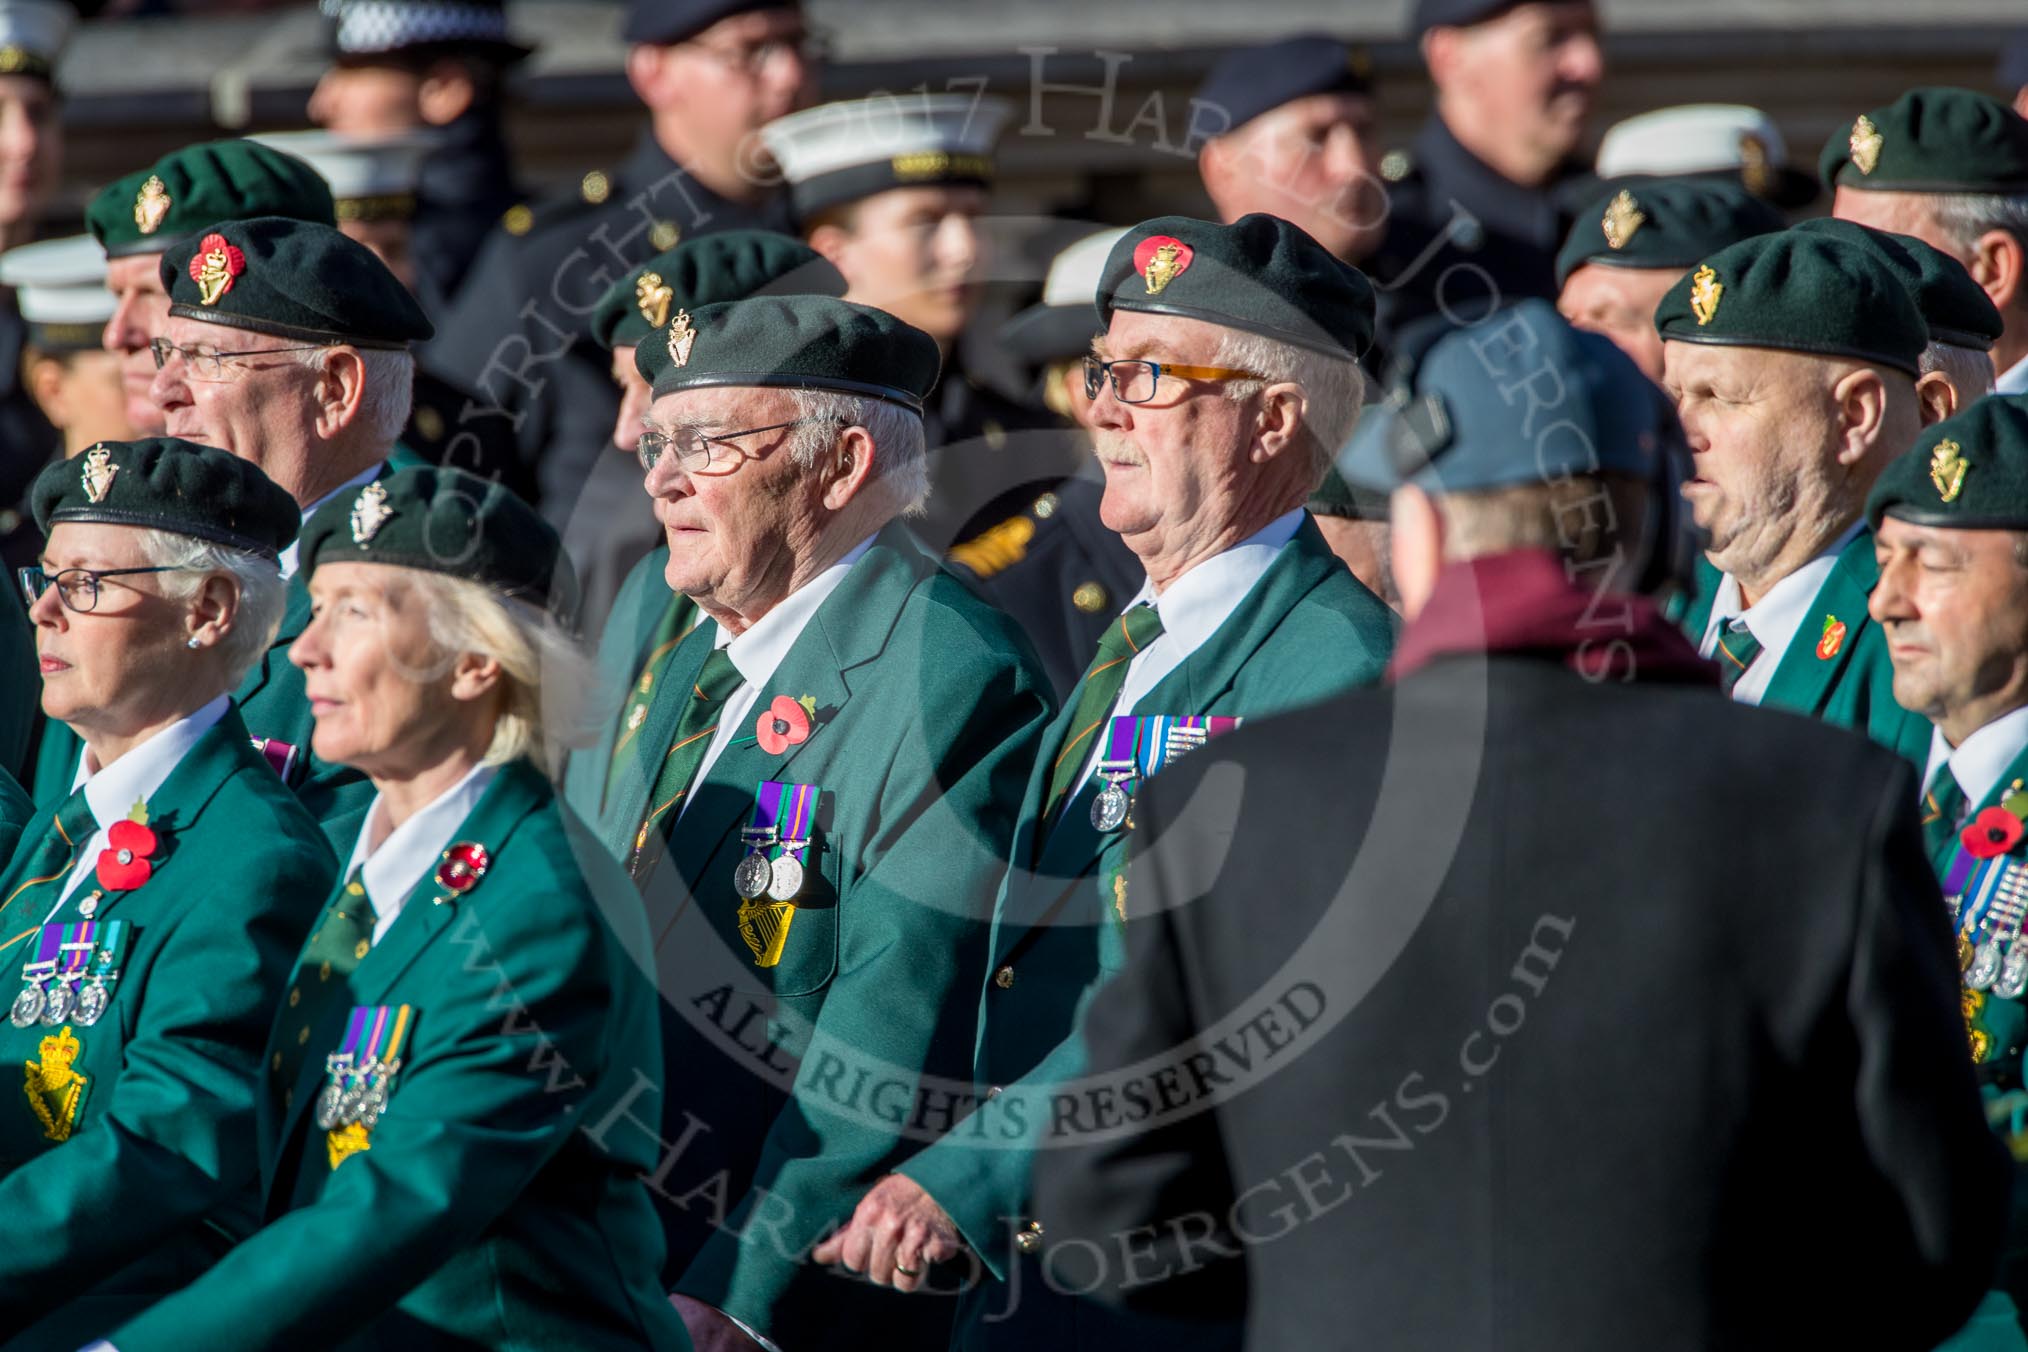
<point>1706,138</point>
<point>371,179</point>
<point>1062,325</point>
<point>60,289</point>
<point>33,34</point>
<point>842,152</point>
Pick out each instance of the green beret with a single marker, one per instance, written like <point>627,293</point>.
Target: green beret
<point>1955,308</point>
<point>792,342</point>
<point>1337,496</point>
<point>201,185</point>
<point>448,521</point>
<point>1969,471</point>
<point>727,265</point>
<point>1664,223</point>
<point>1931,140</point>
<point>1260,274</point>
<point>167,483</point>
<point>1797,292</point>
<point>293,279</point>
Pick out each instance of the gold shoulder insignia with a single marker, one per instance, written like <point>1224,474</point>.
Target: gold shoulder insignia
<point>996,549</point>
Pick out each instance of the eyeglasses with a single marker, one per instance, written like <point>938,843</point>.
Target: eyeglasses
<point>810,47</point>
<point>77,588</point>
<point>207,364</point>
<point>1134,381</point>
<point>695,451</point>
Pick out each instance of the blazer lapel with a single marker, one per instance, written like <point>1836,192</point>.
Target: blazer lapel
<point>1805,676</point>
<point>295,619</point>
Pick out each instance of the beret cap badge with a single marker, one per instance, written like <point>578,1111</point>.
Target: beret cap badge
<point>151,205</point>
<point>1865,143</point>
<point>1705,290</point>
<point>681,339</point>
<point>1947,466</point>
<point>653,296</point>
<point>1622,218</point>
<point>369,513</point>
<point>98,473</point>
<point>1161,259</point>
<point>214,265</point>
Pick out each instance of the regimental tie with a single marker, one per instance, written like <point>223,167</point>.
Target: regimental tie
<point>318,992</point>
<point>714,684</point>
<point>55,853</point>
<point>676,622</point>
<point>1126,636</point>
<point>1943,811</point>
<point>1737,647</point>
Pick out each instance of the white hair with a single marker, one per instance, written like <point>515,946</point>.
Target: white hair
<point>1334,388</point>
<point>1969,369</point>
<point>390,389</point>
<point>900,458</point>
<point>1964,216</point>
<point>550,682</point>
<point>263,595</point>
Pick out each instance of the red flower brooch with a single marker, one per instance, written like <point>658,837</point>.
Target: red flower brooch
<point>784,723</point>
<point>130,844</point>
<point>460,869</point>
<point>1992,833</point>
<point>214,265</point>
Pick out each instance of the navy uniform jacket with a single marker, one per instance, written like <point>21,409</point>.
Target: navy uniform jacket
<point>988,455</point>
<point>27,443</point>
<point>20,688</point>
<point>467,185</point>
<point>518,336</point>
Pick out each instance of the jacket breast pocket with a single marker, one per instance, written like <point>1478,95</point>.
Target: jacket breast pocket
<point>801,935</point>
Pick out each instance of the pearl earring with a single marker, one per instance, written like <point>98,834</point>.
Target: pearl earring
<point>190,642</point>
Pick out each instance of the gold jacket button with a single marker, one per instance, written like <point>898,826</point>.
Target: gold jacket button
<point>1030,1238</point>
<point>1004,978</point>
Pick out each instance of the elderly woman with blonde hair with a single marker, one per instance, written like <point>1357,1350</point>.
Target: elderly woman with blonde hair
<point>152,914</point>
<point>470,1018</point>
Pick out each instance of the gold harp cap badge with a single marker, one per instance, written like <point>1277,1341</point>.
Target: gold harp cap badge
<point>1622,218</point>
<point>1947,469</point>
<point>1705,292</point>
<point>1865,144</point>
<point>682,338</point>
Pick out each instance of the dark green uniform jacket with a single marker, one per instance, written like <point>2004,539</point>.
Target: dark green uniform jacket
<point>157,1175</point>
<point>647,622</point>
<point>1306,631</point>
<point>928,706</point>
<point>497,1202</point>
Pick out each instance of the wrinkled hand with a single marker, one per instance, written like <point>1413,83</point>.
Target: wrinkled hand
<point>709,1328</point>
<point>895,1226</point>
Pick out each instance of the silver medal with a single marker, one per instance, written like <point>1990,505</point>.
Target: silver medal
<point>91,1003</point>
<point>1985,966</point>
<point>62,1000</point>
<point>327,1107</point>
<point>2013,979</point>
<point>750,879</point>
<point>786,884</point>
<point>1109,809</point>
<point>27,1007</point>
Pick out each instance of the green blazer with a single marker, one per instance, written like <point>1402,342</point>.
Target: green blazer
<point>929,706</point>
<point>1307,630</point>
<point>1853,687</point>
<point>15,810</point>
<point>158,1172</point>
<point>498,1200</point>
<point>22,682</point>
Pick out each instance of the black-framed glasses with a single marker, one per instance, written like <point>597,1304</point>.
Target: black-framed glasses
<point>208,364</point>
<point>78,588</point>
<point>697,451</point>
<point>1134,381</point>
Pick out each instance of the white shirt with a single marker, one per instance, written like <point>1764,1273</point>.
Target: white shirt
<point>1978,762</point>
<point>112,792</point>
<point>288,559</point>
<point>411,851</point>
<point>1194,607</point>
<point>760,650</point>
<point>2013,380</point>
<point>1774,619</point>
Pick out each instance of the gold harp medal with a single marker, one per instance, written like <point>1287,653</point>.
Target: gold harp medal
<point>1865,143</point>
<point>1161,269</point>
<point>1621,220</point>
<point>1705,291</point>
<point>653,299</point>
<point>765,927</point>
<point>1947,466</point>
<point>99,470</point>
<point>151,205</point>
<point>681,339</point>
<point>369,513</point>
<point>55,1089</point>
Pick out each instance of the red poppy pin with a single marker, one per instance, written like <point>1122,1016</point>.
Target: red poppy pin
<point>1832,639</point>
<point>1161,259</point>
<point>460,869</point>
<point>214,265</point>
<point>130,844</point>
<point>784,723</point>
<point>1992,833</point>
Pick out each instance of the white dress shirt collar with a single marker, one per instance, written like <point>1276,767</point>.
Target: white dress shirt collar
<point>111,792</point>
<point>392,869</point>
<point>288,558</point>
<point>1774,619</point>
<point>1978,762</point>
<point>2013,380</point>
<point>1197,603</point>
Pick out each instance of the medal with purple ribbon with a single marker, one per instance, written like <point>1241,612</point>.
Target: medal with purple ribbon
<point>784,818</point>
<point>35,975</point>
<point>338,1065</point>
<point>74,951</point>
<point>1165,738</point>
<point>1109,810</point>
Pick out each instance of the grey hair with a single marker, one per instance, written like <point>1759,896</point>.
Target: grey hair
<point>263,595</point>
<point>1334,388</point>
<point>389,394</point>
<point>550,683</point>
<point>1969,370</point>
<point>1964,216</point>
<point>899,442</point>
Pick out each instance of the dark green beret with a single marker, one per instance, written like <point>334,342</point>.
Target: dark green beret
<point>1260,274</point>
<point>727,265</point>
<point>792,342</point>
<point>201,185</point>
<point>1957,309</point>
<point>293,279</point>
<point>167,483</point>
<point>1337,496</point>
<point>1931,140</point>
<point>444,520</point>
<point>1969,471</point>
<point>1663,223</point>
<point>1797,292</point>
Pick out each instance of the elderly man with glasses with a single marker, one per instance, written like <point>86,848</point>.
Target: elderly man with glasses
<point>1226,378</point>
<point>286,344</point>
